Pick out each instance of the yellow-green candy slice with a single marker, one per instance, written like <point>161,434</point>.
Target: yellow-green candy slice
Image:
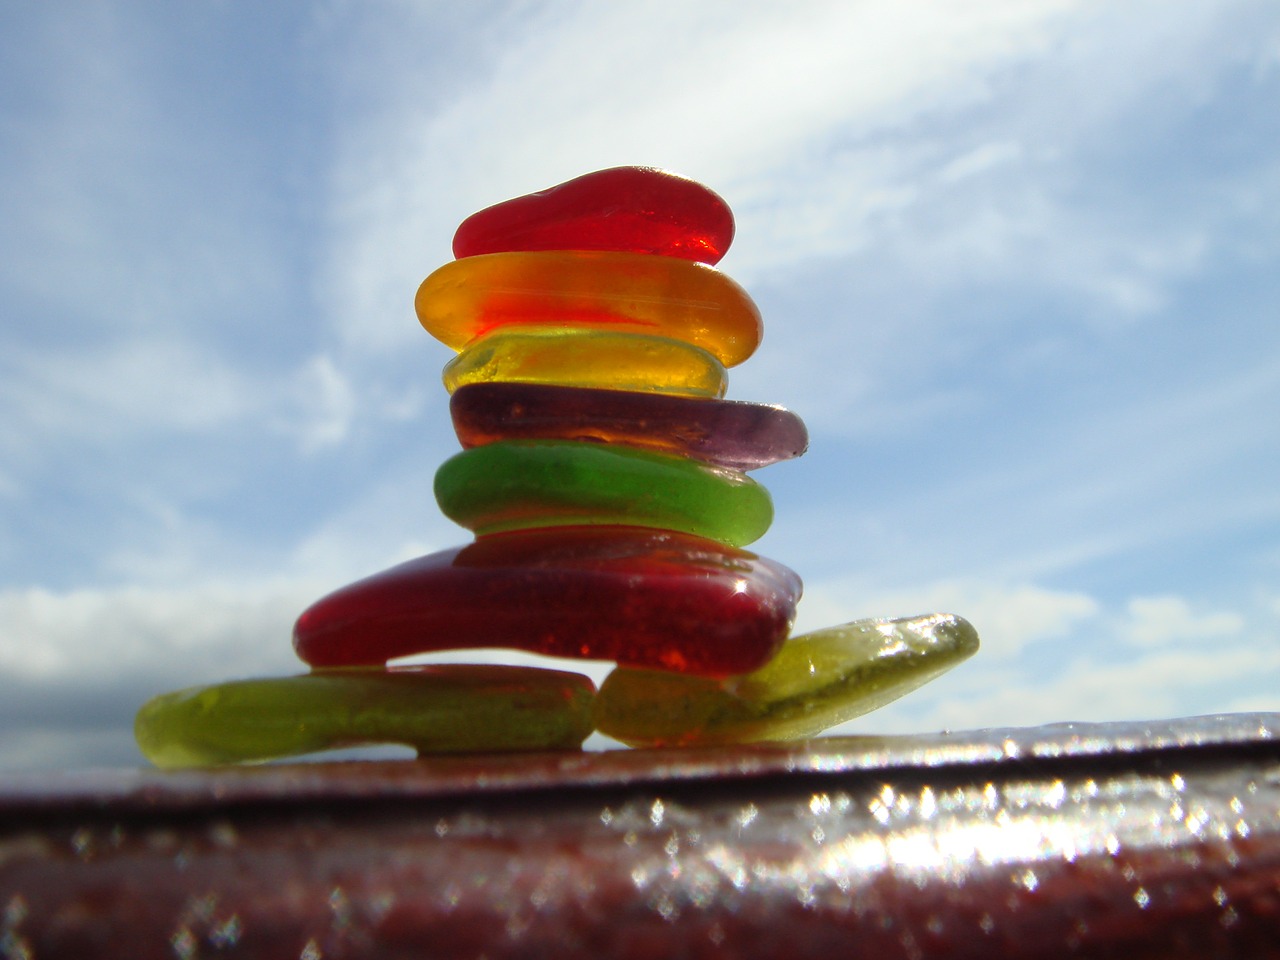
<point>816,681</point>
<point>444,708</point>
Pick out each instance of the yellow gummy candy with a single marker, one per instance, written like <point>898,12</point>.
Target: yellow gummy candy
<point>443,708</point>
<point>816,681</point>
<point>632,292</point>
<point>588,358</point>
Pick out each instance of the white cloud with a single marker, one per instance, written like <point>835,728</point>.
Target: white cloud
<point>327,401</point>
<point>1009,617</point>
<point>1098,689</point>
<point>981,160</point>
<point>181,635</point>
<point>126,389</point>
<point>1153,658</point>
<point>747,98</point>
<point>1158,621</point>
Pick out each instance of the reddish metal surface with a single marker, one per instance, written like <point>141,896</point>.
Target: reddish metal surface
<point>1134,840</point>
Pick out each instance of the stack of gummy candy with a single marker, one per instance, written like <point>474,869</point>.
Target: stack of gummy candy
<point>605,480</point>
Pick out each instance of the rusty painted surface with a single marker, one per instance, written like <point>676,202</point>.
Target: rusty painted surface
<point>1120,840</point>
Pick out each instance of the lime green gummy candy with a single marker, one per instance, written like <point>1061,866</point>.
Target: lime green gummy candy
<point>526,484</point>
<point>445,708</point>
<point>816,681</point>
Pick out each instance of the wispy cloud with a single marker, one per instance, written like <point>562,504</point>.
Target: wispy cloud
<point>748,97</point>
<point>105,635</point>
<point>75,665</point>
<point>125,390</point>
<point>1051,658</point>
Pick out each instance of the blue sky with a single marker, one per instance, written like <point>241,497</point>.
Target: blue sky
<point>1019,264</point>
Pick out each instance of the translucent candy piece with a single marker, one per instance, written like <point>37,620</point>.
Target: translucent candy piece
<point>523,484</point>
<point>729,433</point>
<point>816,681</point>
<point>634,209</point>
<point>567,356</point>
<point>447,708</point>
<point>628,292</point>
<point>646,598</point>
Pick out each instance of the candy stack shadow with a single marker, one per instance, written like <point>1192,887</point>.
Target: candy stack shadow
<point>605,481</point>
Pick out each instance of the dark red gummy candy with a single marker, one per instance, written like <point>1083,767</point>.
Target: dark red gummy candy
<point>645,598</point>
<point>626,209</point>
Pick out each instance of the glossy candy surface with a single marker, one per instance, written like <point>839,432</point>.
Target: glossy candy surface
<point>642,597</point>
<point>447,708</point>
<point>520,484</point>
<point>634,209</point>
<point>729,433</point>
<point>816,681</point>
<point>567,356</point>
<point>630,292</point>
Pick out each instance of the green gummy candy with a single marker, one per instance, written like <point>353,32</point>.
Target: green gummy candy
<point>816,681</point>
<point>445,708</point>
<point>524,484</point>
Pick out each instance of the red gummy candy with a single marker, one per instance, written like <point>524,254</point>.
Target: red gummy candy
<point>645,598</point>
<point>728,433</point>
<point>625,209</point>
